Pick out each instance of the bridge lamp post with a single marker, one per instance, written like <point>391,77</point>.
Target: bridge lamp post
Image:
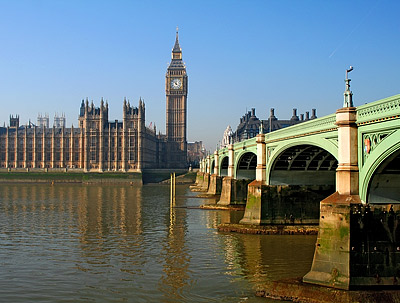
<point>348,95</point>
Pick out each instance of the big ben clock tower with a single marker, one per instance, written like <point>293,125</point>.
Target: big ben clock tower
<point>176,89</point>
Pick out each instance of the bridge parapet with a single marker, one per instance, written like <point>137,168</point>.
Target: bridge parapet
<point>315,126</point>
<point>385,109</point>
<point>245,144</point>
<point>223,151</point>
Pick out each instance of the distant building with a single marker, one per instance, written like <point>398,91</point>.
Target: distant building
<point>196,151</point>
<point>59,121</point>
<point>43,121</point>
<point>227,136</point>
<point>249,125</point>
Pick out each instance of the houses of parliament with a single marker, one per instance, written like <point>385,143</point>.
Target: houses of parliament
<point>98,144</point>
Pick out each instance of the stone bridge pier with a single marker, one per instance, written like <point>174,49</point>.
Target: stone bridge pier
<point>256,191</point>
<point>233,191</point>
<point>222,181</point>
<point>274,202</point>
<point>203,176</point>
<point>215,185</point>
<point>332,259</point>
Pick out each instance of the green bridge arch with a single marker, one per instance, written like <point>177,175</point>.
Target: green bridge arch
<point>388,147</point>
<point>223,165</point>
<point>250,171</point>
<point>277,151</point>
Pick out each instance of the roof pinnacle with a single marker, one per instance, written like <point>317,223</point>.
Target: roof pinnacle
<point>176,48</point>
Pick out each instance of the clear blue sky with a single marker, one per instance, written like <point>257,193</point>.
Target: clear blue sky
<point>239,55</point>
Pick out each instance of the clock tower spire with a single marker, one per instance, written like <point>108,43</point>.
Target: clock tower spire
<point>177,51</point>
<point>176,89</point>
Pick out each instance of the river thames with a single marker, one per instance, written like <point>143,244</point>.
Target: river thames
<point>115,243</point>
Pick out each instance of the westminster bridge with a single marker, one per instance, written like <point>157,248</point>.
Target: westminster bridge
<point>341,171</point>
<point>308,153</point>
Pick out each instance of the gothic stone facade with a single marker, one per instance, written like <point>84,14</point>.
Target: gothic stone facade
<point>100,145</point>
<point>96,145</point>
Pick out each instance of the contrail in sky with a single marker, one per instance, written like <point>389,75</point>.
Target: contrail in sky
<point>354,29</point>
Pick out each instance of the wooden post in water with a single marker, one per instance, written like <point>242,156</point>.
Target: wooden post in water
<point>172,189</point>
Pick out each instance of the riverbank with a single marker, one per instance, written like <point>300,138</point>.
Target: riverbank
<point>53,176</point>
<point>222,207</point>
<point>269,229</point>
<point>70,177</point>
<point>296,291</point>
<point>187,178</point>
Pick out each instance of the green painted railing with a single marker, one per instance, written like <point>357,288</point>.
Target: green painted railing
<point>323,124</point>
<point>381,109</point>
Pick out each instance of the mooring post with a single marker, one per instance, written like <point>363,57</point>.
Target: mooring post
<point>174,187</point>
<point>171,190</point>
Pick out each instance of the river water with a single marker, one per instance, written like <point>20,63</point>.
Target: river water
<point>112,243</point>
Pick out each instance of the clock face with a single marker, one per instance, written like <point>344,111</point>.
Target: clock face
<point>176,83</point>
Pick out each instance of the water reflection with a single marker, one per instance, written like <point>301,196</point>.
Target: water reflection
<point>262,258</point>
<point>175,275</point>
<point>125,243</point>
<point>110,228</point>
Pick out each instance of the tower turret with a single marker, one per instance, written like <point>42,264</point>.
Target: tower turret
<point>14,121</point>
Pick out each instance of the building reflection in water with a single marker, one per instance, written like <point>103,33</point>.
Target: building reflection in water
<point>110,227</point>
<point>104,219</point>
<point>175,275</point>
<point>122,242</point>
